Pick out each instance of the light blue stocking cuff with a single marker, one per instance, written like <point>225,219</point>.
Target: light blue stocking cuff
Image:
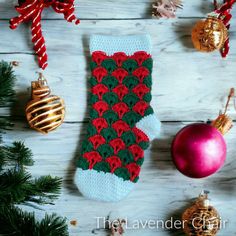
<point>126,44</point>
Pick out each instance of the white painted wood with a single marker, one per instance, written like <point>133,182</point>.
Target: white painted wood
<point>161,193</point>
<point>192,85</point>
<point>92,9</point>
<point>112,9</point>
<point>188,86</point>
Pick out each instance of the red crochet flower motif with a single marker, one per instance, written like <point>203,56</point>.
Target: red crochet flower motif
<point>99,73</point>
<point>136,151</point>
<point>140,57</point>
<point>114,163</point>
<point>120,127</point>
<point>140,90</point>
<point>117,145</point>
<point>101,107</point>
<point>120,108</point>
<point>119,58</point>
<point>99,57</point>
<point>140,135</point>
<point>93,158</point>
<point>97,140</point>
<point>99,90</point>
<point>134,170</point>
<point>100,124</point>
<point>120,74</point>
<point>140,107</point>
<point>121,90</point>
<point>141,73</point>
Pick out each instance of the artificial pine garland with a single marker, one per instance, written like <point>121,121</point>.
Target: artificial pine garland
<point>7,79</point>
<point>17,185</point>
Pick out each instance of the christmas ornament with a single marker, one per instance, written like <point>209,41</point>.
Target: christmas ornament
<point>201,218</point>
<point>31,10</point>
<point>212,33</point>
<point>44,112</point>
<point>166,8</point>
<point>122,120</point>
<point>199,149</point>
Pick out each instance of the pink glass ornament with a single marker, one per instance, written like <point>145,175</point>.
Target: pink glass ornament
<point>198,150</point>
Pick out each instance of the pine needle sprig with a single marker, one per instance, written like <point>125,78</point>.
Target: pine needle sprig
<point>16,222</point>
<point>53,225</point>
<point>16,155</point>
<point>4,124</point>
<point>7,81</point>
<point>18,187</point>
<point>44,190</point>
<point>14,185</point>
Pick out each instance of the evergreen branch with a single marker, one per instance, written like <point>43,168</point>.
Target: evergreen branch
<point>7,81</point>
<point>17,187</point>
<point>4,124</point>
<point>16,222</point>
<point>53,225</point>
<point>14,186</point>
<point>45,189</point>
<point>17,154</point>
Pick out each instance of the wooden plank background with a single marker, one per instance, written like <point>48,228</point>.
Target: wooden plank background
<point>188,86</point>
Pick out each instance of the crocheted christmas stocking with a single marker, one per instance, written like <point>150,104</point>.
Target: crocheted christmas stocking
<point>122,120</point>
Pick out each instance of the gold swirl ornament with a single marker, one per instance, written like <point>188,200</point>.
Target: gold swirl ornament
<point>201,219</point>
<point>209,35</point>
<point>44,112</point>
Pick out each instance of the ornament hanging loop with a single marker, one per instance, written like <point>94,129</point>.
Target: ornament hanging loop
<point>223,122</point>
<point>231,94</point>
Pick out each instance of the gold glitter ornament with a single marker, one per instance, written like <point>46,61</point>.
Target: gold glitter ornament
<point>209,35</point>
<point>201,219</point>
<point>44,112</point>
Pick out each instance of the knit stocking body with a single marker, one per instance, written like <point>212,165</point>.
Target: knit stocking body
<point>122,122</point>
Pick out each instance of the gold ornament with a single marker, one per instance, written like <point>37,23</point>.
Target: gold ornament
<point>44,112</point>
<point>201,219</point>
<point>209,35</point>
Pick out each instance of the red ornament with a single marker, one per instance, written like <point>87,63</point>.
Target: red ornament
<point>31,10</point>
<point>199,150</point>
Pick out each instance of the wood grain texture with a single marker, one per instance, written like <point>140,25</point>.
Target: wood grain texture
<point>162,191</point>
<point>188,87</point>
<point>179,71</point>
<point>112,9</point>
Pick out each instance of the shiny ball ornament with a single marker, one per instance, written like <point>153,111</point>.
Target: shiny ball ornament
<point>201,219</point>
<point>209,35</point>
<point>198,150</point>
<point>44,112</point>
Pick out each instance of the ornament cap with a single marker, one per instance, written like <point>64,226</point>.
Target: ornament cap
<point>223,122</point>
<point>40,88</point>
<point>203,201</point>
